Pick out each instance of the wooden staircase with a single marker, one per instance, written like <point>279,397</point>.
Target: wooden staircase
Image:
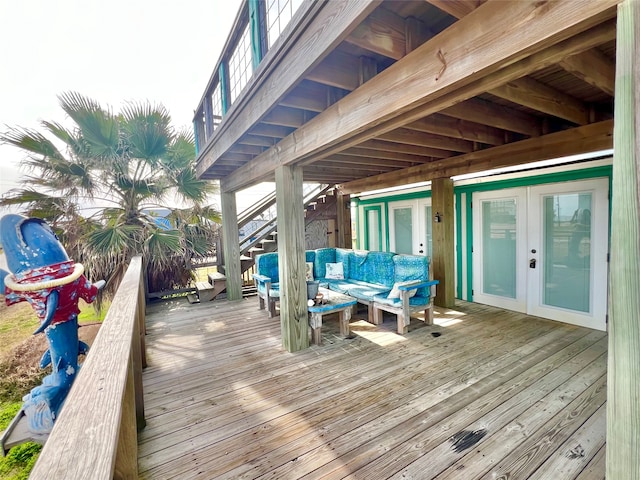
<point>320,203</point>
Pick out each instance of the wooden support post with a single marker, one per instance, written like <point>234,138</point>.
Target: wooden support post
<point>231,243</point>
<point>291,259</point>
<point>623,382</point>
<point>443,243</point>
<point>343,220</point>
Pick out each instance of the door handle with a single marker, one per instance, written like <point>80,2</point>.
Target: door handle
<point>532,263</point>
<point>420,251</point>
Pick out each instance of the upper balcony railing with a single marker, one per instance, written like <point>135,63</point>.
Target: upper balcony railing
<point>258,25</point>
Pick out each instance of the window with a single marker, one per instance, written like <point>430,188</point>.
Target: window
<point>279,13</point>
<point>240,65</point>
<point>216,106</point>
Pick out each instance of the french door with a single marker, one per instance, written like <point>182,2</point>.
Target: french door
<point>543,250</point>
<point>410,227</point>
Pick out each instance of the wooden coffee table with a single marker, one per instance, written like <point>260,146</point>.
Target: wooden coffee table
<point>334,302</point>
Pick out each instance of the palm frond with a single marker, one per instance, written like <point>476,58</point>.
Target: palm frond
<point>147,130</point>
<point>190,187</point>
<point>113,239</point>
<point>182,151</point>
<point>78,147</point>
<point>31,141</point>
<point>99,128</point>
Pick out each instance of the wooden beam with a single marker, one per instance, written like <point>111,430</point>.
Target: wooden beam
<point>357,165</point>
<point>400,147</point>
<point>541,97</point>
<point>231,245</point>
<point>279,74</point>
<point>497,116</point>
<point>239,158</point>
<point>307,96</point>
<point>381,156</point>
<point>623,380</point>
<point>585,139</point>
<point>414,137</point>
<point>456,128</point>
<point>250,149</point>
<point>291,259</point>
<point>286,117</point>
<point>443,241</point>
<point>415,33</point>
<point>382,32</point>
<point>257,141</point>
<point>367,69</point>
<point>491,46</point>
<point>457,8</point>
<point>593,67</point>
<point>274,131</point>
<point>337,70</point>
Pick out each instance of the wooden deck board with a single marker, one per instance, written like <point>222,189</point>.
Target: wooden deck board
<point>225,400</point>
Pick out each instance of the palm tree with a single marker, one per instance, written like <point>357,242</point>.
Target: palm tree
<point>125,168</point>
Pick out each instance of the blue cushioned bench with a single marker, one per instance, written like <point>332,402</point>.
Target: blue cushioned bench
<point>383,281</point>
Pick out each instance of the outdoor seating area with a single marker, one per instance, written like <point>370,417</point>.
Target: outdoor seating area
<point>482,393</point>
<point>382,281</point>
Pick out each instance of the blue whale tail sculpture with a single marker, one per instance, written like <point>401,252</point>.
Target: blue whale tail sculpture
<point>42,274</point>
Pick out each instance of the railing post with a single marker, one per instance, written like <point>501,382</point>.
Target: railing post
<point>126,463</point>
<point>256,33</point>
<point>224,88</point>
<point>138,360</point>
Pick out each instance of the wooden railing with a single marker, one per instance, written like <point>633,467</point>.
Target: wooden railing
<point>95,436</point>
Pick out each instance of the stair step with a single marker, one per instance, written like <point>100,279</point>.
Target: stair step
<point>255,251</point>
<point>192,298</point>
<point>206,291</point>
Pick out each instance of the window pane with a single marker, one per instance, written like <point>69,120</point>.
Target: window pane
<point>428,229</point>
<point>499,247</point>
<point>373,230</point>
<point>567,252</point>
<point>403,227</point>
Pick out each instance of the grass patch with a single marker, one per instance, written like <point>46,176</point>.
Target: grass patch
<point>20,460</point>
<point>20,352</point>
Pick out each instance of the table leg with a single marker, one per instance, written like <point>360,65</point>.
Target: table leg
<point>315,322</point>
<point>345,316</point>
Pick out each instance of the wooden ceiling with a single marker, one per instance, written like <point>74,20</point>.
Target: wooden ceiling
<point>556,100</point>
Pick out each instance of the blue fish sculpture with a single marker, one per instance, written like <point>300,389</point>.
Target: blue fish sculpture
<point>42,274</point>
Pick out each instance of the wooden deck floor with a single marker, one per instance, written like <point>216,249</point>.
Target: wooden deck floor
<point>496,395</point>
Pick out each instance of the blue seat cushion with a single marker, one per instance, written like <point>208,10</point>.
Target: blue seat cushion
<point>274,291</point>
<point>415,301</point>
<point>355,288</point>
<point>368,292</point>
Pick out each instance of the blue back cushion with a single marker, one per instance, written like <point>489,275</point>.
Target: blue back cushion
<point>267,264</point>
<point>322,257</point>
<point>372,267</point>
<point>412,267</point>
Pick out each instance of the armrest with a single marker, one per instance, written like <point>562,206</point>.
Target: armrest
<point>418,284</point>
<point>261,278</point>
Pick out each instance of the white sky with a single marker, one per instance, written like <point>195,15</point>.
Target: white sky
<point>113,51</point>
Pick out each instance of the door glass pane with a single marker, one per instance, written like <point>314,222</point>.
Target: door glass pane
<point>428,230</point>
<point>499,247</point>
<point>403,230</point>
<point>567,251</point>
<point>373,230</point>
